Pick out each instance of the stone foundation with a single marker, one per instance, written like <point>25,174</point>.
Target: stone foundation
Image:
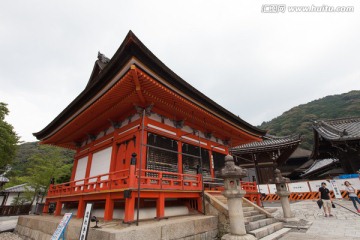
<point>180,228</point>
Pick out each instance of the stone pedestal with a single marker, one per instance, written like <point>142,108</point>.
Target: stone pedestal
<point>233,192</point>
<point>283,193</point>
<point>285,203</point>
<point>237,237</point>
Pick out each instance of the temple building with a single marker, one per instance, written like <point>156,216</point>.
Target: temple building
<point>261,158</point>
<point>336,148</point>
<point>144,139</point>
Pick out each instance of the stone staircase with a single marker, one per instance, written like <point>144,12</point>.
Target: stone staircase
<point>258,222</point>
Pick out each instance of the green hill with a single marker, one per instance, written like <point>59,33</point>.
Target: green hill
<point>27,158</point>
<point>300,119</point>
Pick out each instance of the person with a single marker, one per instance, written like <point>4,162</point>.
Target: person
<point>326,199</point>
<point>352,194</point>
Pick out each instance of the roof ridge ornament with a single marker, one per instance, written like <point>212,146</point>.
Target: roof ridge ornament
<point>102,58</point>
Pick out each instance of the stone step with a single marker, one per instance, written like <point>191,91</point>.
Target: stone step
<point>267,230</point>
<point>276,235</point>
<point>248,209</point>
<point>254,218</point>
<point>251,213</point>
<point>259,224</point>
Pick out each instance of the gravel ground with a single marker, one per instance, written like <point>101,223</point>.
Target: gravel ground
<point>9,236</point>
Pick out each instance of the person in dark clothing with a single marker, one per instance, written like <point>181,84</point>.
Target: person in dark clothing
<point>326,199</point>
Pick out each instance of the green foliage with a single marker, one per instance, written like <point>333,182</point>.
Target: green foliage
<point>24,198</point>
<point>36,164</point>
<point>8,139</point>
<point>300,119</point>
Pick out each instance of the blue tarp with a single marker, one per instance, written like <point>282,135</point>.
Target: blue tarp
<point>345,176</point>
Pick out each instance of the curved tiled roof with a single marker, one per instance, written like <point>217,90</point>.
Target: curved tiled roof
<point>133,47</point>
<point>3,179</point>
<point>339,129</point>
<point>18,188</point>
<point>318,164</point>
<point>269,142</point>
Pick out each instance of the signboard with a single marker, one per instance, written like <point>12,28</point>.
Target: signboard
<point>60,230</point>
<point>86,222</point>
<point>355,183</point>
<point>263,188</point>
<point>315,185</point>
<point>335,189</point>
<point>272,188</point>
<point>299,187</point>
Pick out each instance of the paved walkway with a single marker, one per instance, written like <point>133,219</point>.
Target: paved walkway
<point>8,223</point>
<point>344,224</point>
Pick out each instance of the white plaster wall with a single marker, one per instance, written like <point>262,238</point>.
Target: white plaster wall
<point>10,198</point>
<point>155,117</point>
<point>101,134</point>
<point>81,169</point>
<point>110,130</point>
<point>100,163</point>
<point>187,129</point>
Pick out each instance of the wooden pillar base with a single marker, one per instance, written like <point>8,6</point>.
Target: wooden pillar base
<point>46,207</point>
<point>129,208</point>
<point>109,208</point>
<point>58,208</point>
<point>160,206</point>
<point>81,209</point>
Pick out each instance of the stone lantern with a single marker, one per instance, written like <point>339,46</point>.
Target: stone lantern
<point>233,192</point>
<point>283,193</point>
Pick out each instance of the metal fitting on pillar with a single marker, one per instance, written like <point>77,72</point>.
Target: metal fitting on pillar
<point>133,159</point>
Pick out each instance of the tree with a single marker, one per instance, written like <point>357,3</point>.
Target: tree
<point>49,162</point>
<point>8,139</point>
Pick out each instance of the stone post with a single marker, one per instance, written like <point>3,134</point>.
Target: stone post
<point>233,192</point>
<point>283,193</point>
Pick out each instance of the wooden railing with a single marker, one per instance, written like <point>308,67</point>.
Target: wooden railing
<point>128,178</point>
<point>252,192</point>
<point>15,210</point>
<point>169,180</point>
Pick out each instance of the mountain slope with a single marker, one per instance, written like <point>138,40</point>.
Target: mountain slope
<point>300,119</point>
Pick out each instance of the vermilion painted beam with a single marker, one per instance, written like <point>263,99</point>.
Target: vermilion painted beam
<point>137,85</point>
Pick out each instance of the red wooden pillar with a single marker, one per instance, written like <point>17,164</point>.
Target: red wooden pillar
<point>109,208</point>
<point>212,173</point>
<point>143,148</point>
<point>74,169</point>
<point>199,204</point>
<point>129,208</point>
<point>81,208</point>
<point>58,208</point>
<point>88,167</point>
<point>46,206</point>
<point>114,153</point>
<point>132,174</point>
<point>160,206</point>
<point>180,163</point>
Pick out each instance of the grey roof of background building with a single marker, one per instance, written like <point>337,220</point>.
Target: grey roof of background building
<point>17,188</point>
<point>3,179</point>
<point>339,129</point>
<point>321,163</point>
<point>268,143</point>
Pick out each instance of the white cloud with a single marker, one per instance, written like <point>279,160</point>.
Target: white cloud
<point>256,65</point>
